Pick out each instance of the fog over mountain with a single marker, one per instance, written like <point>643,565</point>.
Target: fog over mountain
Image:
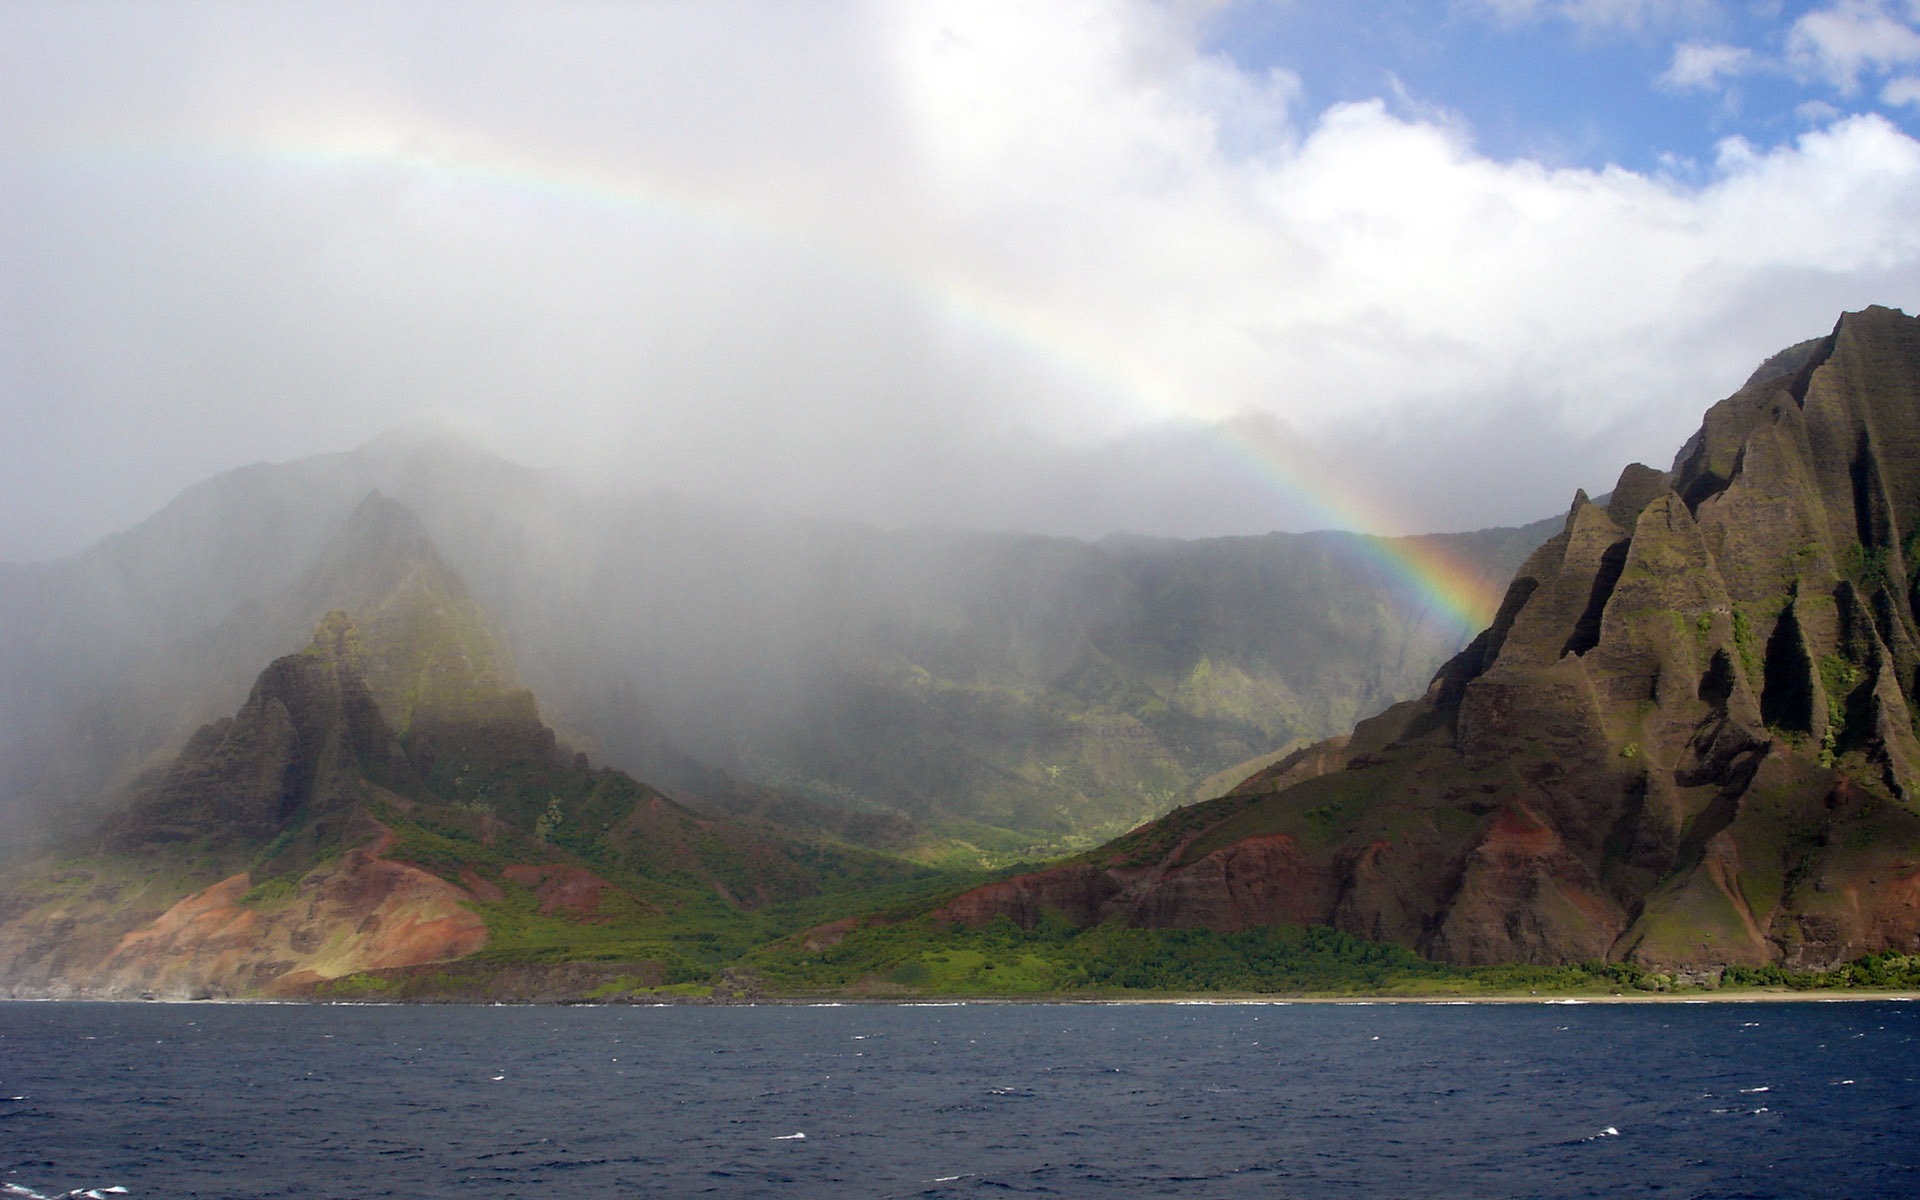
<point>995,688</point>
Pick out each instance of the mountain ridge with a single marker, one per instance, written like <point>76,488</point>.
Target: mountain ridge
<point>1686,739</point>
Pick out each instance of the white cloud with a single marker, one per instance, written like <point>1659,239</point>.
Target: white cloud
<point>1904,89</point>
<point>1839,43</point>
<point>1705,66</point>
<point>835,259</point>
<point>1635,14</point>
<point>1602,14</point>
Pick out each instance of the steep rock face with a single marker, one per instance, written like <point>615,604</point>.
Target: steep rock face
<point>1687,738</point>
<point>310,741</point>
<point>1081,893</point>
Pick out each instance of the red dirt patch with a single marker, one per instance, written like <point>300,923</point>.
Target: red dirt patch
<point>562,889</point>
<point>481,887</point>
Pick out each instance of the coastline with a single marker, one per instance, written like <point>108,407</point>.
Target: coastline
<point>1727,996</point>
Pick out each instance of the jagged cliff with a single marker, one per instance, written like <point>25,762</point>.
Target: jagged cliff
<point>1687,738</point>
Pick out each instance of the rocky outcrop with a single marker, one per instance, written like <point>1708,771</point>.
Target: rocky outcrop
<point>1080,893</point>
<point>1686,739</point>
<point>561,889</point>
<point>358,913</point>
<point>310,743</point>
<point>108,929</point>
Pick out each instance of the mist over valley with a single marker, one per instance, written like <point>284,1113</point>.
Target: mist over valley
<point>995,691</point>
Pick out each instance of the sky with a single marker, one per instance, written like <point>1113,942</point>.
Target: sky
<point>1170,267</point>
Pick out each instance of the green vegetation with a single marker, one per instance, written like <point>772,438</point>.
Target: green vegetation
<point>1884,970</point>
<point>1865,567</point>
<point>358,987</point>
<point>1747,643</point>
<point>929,958</point>
<point>636,987</point>
<point>517,932</point>
<point>926,958</point>
<point>1840,678</point>
<point>662,906</point>
<point>271,892</point>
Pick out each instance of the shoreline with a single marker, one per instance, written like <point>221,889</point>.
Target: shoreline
<point>1729,996</point>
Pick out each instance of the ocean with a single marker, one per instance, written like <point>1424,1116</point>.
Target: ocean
<point>1709,1100</point>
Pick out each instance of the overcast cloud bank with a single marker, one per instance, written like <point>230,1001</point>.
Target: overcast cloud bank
<point>1071,267</point>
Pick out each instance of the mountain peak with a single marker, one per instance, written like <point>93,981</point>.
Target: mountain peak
<point>380,539</point>
<point>421,440</point>
<point>417,634</point>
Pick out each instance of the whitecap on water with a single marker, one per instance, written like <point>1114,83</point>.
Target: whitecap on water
<point>790,1137</point>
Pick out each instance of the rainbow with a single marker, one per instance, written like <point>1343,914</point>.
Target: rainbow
<point>1447,588</point>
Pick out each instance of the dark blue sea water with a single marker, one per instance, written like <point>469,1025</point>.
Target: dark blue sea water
<point>1300,1100</point>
